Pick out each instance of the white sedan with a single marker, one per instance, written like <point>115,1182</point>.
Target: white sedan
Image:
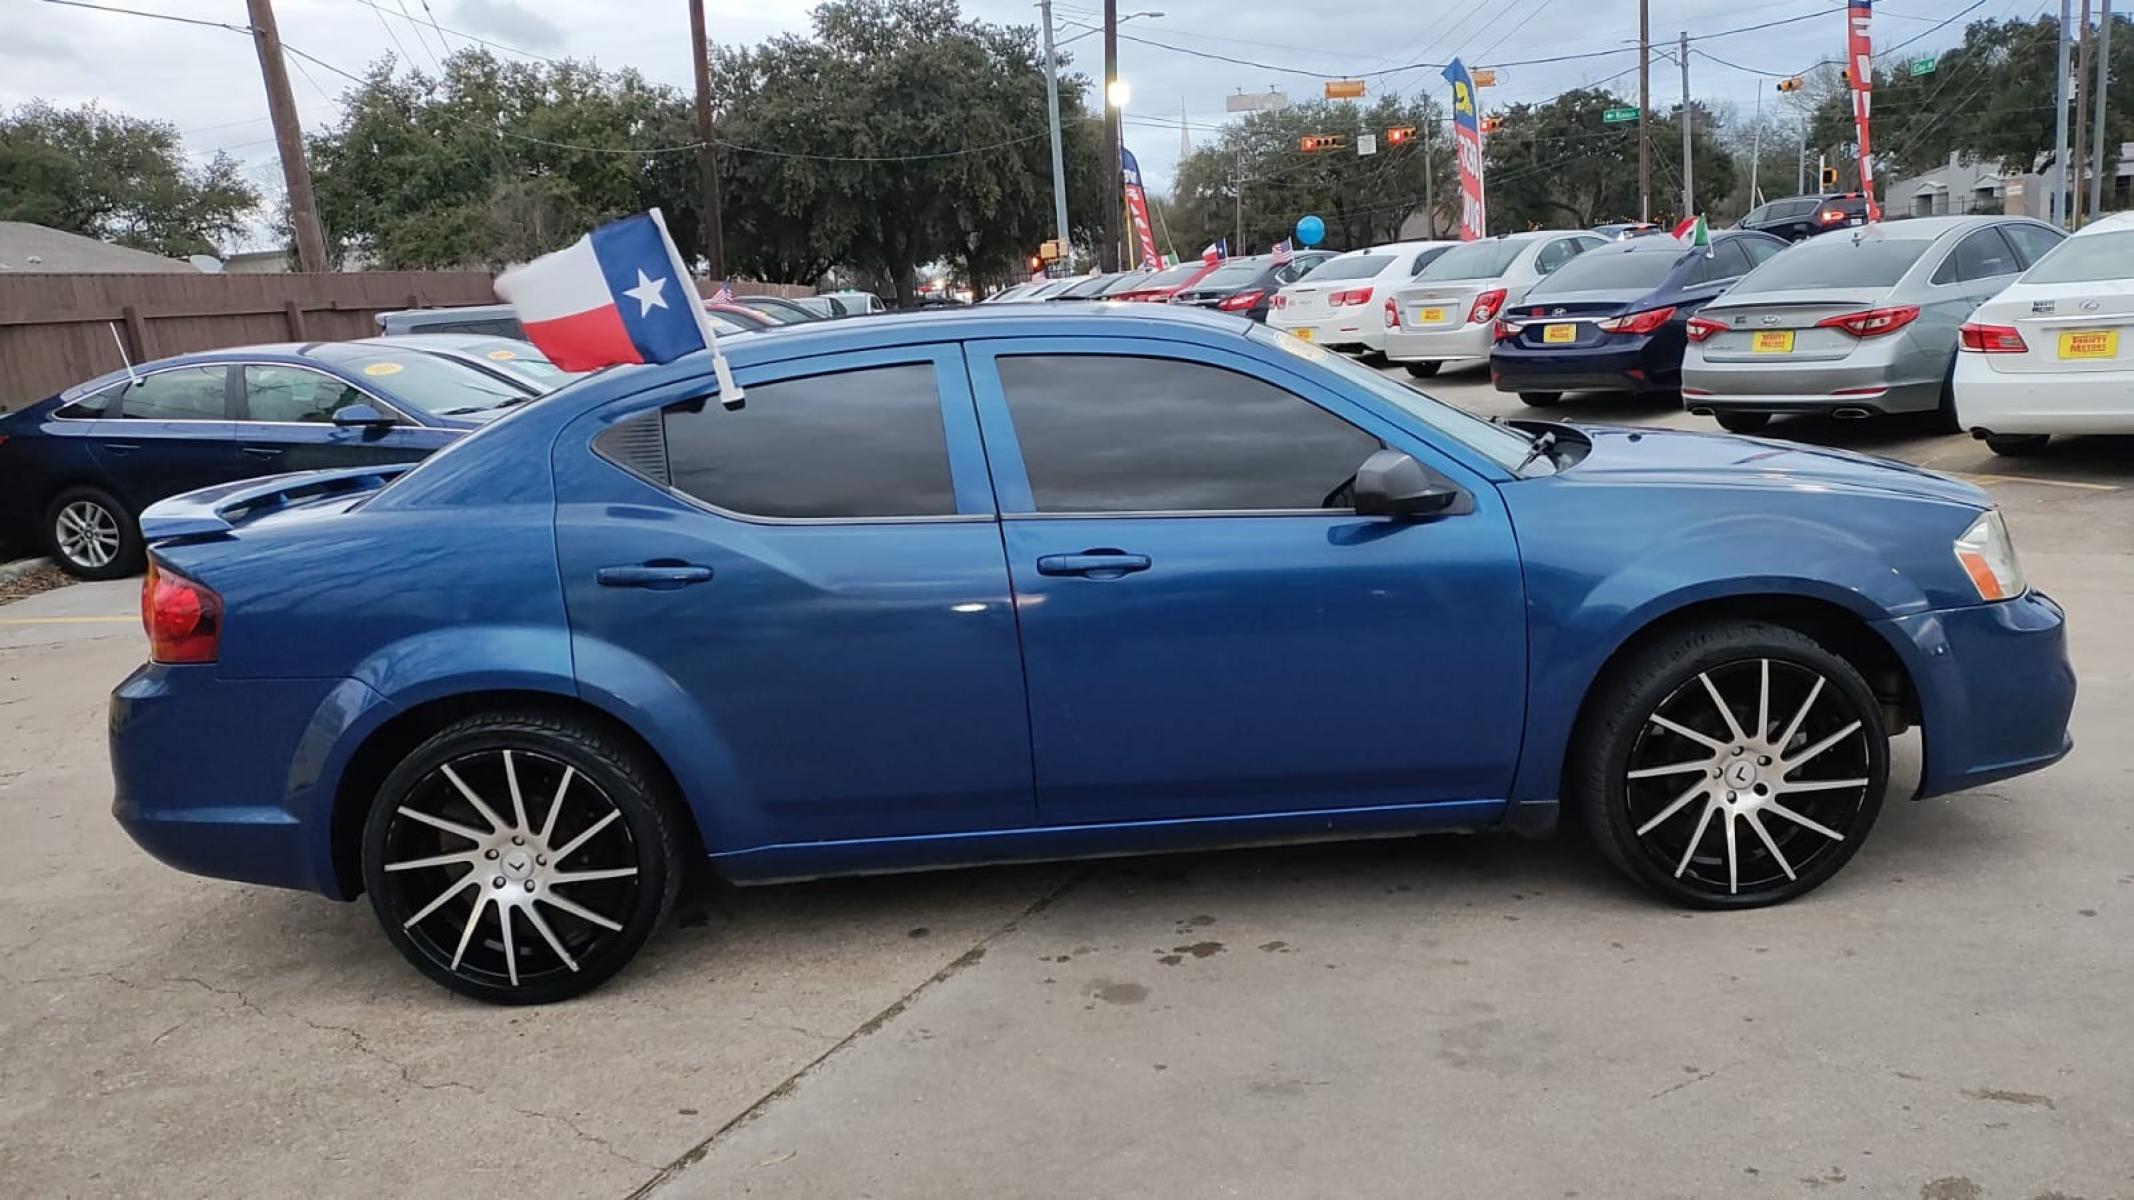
<point>1343,303</point>
<point>2054,351</point>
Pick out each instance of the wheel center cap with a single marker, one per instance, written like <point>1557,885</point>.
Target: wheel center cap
<point>1741,774</point>
<point>517,864</point>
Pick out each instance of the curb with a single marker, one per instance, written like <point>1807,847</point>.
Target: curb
<point>21,566</point>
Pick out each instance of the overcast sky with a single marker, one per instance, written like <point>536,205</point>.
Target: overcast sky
<point>206,80</point>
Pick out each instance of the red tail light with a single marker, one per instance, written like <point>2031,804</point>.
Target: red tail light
<point>1392,314</point>
<point>1504,330</point>
<point>1241,301</point>
<point>1831,216</point>
<point>1352,296</point>
<point>1873,322</point>
<point>1280,300</point>
<point>1642,322</point>
<point>1487,305</point>
<point>1991,339</point>
<point>183,618</point>
<point>1701,328</point>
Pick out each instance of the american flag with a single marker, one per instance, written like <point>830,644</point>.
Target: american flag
<point>1284,252</point>
<point>725,294</point>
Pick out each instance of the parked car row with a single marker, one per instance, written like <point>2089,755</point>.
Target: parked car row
<point>1246,285</point>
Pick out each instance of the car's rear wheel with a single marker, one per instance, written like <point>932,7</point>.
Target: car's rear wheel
<point>1742,422</point>
<point>522,858</point>
<point>1423,370</point>
<point>1730,766</point>
<point>92,536</point>
<point>2017,443</point>
<point>1540,399</point>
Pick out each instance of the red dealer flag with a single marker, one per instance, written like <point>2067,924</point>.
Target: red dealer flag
<point>1859,49</point>
<point>1137,210</point>
<point>1467,139</point>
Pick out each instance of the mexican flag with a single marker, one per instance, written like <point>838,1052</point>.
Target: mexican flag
<point>1694,231</point>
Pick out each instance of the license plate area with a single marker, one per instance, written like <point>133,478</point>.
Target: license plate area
<point>2089,343</point>
<point>1772,341</point>
<point>1559,335</point>
<point>1304,333</point>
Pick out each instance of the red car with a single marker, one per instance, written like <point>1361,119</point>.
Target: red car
<point>1161,286</point>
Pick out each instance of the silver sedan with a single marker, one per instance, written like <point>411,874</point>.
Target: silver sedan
<point>1855,322</point>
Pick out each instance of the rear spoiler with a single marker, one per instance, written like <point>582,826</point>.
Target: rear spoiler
<point>214,511</point>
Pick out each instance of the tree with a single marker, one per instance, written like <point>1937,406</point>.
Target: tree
<point>1560,164</point>
<point>110,176</point>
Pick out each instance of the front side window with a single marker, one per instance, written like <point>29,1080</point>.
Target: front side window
<point>296,395</point>
<point>862,443</point>
<point>183,394</point>
<point>1103,433</point>
<point>417,379</point>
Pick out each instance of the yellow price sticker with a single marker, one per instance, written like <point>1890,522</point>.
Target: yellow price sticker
<point>383,368</point>
<point>503,355</point>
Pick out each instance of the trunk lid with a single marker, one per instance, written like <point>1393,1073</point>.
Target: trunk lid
<point>1439,305</point>
<point>2067,328</point>
<point>1787,322</point>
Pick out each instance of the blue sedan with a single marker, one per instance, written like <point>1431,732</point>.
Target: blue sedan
<point>1617,318</point>
<point>77,469</point>
<point>1019,582</point>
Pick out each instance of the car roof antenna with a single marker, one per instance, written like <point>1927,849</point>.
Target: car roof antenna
<point>120,342</point>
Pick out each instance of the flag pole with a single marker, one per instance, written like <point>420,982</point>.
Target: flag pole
<point>730,393</point>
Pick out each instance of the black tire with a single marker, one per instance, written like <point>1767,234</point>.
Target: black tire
<point>1620,734</point>
<point>1540,399</point>
<point>639,857</point>
<point>76,550</point>
<point>1423,370</point>
<point>1742,422</point>
<point>2014,444</point>
<point>1946,418</point>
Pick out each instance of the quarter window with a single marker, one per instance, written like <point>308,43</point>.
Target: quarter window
<point>1104,433</point>
<point>296,395</point>
<point>94,405</point>
<point>864,443</point>
<point>181,394</point>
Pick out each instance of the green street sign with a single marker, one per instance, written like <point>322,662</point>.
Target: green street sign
<point>1922,66</point>
<point>1616,116</point>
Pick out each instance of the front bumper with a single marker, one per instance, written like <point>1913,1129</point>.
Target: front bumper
<point>1440,344</point>
<point>1995,689</point>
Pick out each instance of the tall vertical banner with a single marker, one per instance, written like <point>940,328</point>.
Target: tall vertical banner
<point>1137,210</point>
<point>1859,54</point>
<point>1467,141</point>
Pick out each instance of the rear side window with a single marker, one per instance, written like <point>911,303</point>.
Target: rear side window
<point>102,403</point>
<point>184,394</point>
<point>1981,255</point>
<point>1836,261</point>
<point>1758,249</point>
<point>1724,262</point>
<point>865,443</point>
<point>1103,433</point>
<point>296,395</point>
<point>1427,257</point>
<point>1354,266</point>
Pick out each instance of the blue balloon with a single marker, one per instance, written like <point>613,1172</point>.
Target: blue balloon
<point>1311,230</point>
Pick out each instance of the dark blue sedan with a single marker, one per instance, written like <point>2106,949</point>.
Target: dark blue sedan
<point>1030,581</point>
<point>1616,319</point>
<point>77,469</point>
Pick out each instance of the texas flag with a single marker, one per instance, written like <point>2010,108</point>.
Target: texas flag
<point>1217,251</point>
<point>617,295</point>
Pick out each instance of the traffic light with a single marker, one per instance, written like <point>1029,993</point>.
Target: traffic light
<point>1492,124</point>
<point>1790,85</point>
<point>1037,263</point>
<point>1314,143</point>
<point>1399,133</point>
<point>1830,177</point>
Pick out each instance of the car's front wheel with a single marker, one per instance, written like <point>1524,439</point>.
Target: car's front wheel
<point>1423,370</point>
<point>92,536</point>
<point>1730,765</point>
<point>1742,422</point>
<point>522,858</point>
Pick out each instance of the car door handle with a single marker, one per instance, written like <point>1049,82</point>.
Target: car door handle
<point>1093,564</point>
<point>122,447</point>
<point>658,576</point>
<point>261,451</point>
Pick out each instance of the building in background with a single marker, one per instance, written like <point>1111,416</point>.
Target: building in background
<point>37,249</point>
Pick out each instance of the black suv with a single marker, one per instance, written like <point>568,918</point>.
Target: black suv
<point>1797,217</point>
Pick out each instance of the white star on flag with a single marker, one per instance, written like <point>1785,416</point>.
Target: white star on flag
<point>647,292</point>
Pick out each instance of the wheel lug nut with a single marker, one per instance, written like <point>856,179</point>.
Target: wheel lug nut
<point>529,885</point>
<point>516,840</point>
<point>1763,760</point>
<point>540,860</point>
<point>1737,751</point>
<point>488,854</point>
<point>1731,797</point>
<point>497,882</point>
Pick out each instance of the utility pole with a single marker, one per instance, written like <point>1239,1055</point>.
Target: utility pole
<point>1800,167</point>
<point>2080,145</point>
<point>1756,145</point>
<point>1644,110</point>
<point>1238,191</point>
<point>2056,207</point>
<point>2103,88</point>
<point>288,138</point>
<point>1059,159</point>
<point>1429,204</point>
<point>1689,174</point>
<point>707,164</point>
<point>1114,181</point>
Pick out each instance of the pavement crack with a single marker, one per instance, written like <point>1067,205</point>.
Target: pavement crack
<point>791,1084</point>
<point>1699,1077</point>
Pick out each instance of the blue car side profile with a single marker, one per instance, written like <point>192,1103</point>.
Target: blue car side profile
<point>1022,583</point>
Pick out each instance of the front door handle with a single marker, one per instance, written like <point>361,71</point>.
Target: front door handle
<point>658,576</point>
<point>261,451</point>
<point>1093,564</point>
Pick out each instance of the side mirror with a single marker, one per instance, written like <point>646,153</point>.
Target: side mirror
<point>1391,484</point>
<point>362,416</point>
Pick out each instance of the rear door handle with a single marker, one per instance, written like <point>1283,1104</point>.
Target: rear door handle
<point>1093,564</point>
<point>658,576</point>
<point>261,451</point>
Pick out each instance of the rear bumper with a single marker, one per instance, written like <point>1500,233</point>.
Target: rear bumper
<point>1807,387</point>
<point>1607,369</point>
<point>2043,402</point>
<point>1335,333</point>
<point>232,778</point>
<point>1439,345</point>
<point>1995,689</point>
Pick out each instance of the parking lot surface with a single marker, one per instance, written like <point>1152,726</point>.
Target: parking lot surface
<point>1455,1016</point>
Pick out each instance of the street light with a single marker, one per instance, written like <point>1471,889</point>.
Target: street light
<point>1120,93</point>
<point>1115,99</point>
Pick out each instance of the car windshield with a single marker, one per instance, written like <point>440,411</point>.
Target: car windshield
<point>1835,260</point>
<point>1233,274</point>
<point>439,387</point>
<point>2090,258</point>
<point>1475,260</point>
<point>776,312</point>
<point>1351,266</point>
<point>1501,444</point>
<point>1611,270</point>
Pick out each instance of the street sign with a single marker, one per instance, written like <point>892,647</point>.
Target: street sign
<point>1485,76</point>
<point>1366,144</point>
<point>1344,89</point>
<point>1050,250</point>
<point>1923,66</point>
<point>1616,116</point>
<point>1267,101</point>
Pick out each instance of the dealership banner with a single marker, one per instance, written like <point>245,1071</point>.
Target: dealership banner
<point>1860,54</point>
<point>1137,209</point>
<point>1467,140</point>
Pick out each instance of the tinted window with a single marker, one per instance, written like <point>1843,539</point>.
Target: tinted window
<point>1091,286</point>
<point>1554,255</point>
<point>862,443</point>
<point>186,394</point>
<point>1981,255</point>
<point>2032,242</point>
<point>1353,266</point>
<point>1233,274</point>
<point>438,386</point>
<point>1787,210</point>
<point>1174,276</point>
<point>1116,434</point>
<point>1759,249</point>
<point>94,405</point>
<point>500,327</point>
<point>1836,261</point>
<point>1475,260</point>
<point>1132,279</point>
<point>1757,215</point>
<point>1726,261</point>
<point>1612,270</point>
<point>296,394</point>
<point>1427,257</point>
<point>2088,258</point>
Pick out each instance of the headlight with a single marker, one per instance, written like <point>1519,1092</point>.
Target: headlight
<point>1988,557</point>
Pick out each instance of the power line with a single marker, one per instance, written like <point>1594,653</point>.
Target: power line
<point>135,12</point>
<point>445,29</point>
